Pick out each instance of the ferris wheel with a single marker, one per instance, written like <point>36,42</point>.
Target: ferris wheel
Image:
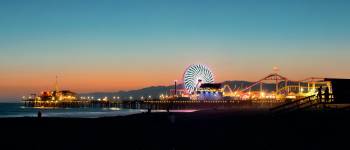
<point>197,74</point>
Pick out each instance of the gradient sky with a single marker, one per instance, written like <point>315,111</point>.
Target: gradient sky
<point>105,45</point>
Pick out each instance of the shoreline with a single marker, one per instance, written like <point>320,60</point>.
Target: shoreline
<point>206,129</point>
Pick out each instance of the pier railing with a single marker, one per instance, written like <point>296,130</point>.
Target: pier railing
<point>154,104</point>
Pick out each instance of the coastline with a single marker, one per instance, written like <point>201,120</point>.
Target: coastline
<point>206,129</point>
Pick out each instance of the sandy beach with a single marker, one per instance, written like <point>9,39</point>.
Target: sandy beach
<point>207,129</point>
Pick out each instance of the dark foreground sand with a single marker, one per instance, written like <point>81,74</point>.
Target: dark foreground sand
<point>214,129</point>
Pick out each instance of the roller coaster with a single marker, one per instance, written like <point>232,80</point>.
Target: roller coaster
<point>285,88</point>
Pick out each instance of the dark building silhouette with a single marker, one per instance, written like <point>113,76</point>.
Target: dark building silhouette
<point>340,90</point>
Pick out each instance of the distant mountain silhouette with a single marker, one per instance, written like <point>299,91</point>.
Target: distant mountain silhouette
<point>155,91</point>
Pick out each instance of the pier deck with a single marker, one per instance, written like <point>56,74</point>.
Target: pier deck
<point>153,104</point>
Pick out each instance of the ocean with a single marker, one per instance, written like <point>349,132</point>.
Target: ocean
<point>11,110</point>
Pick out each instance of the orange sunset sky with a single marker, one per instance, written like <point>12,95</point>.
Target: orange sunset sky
<point>124,45</point>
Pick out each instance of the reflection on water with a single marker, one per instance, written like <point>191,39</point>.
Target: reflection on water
<point>18,110</point>
<point>9,110</point>
<point>180,111</point>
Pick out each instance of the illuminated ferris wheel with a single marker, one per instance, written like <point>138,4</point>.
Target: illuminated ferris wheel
<point>197,74</point>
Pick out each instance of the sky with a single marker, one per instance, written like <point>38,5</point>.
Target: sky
<point>112,45</point>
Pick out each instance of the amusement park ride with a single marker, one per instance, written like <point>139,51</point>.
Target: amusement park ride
<point>198,81</point>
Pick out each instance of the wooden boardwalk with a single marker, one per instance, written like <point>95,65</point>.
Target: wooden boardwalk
<point>151,104</point>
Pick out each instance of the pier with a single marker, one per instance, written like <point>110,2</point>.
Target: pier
<point>152,104</point>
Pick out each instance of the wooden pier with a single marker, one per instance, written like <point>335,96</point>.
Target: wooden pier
<point>151,104</point>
